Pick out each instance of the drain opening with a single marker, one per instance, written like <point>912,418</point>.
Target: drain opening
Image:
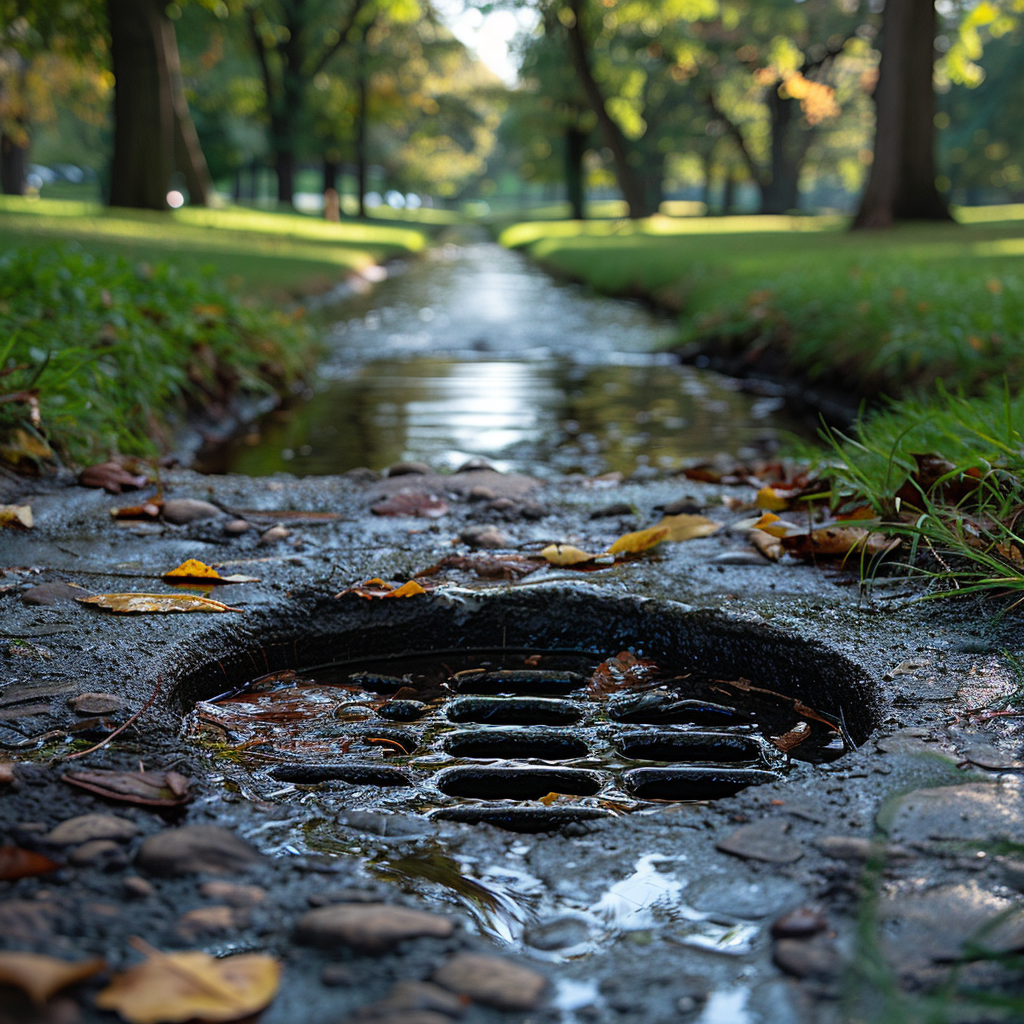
<point>525,739</point>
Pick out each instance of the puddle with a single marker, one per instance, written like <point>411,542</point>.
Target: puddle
<point>475,352</point>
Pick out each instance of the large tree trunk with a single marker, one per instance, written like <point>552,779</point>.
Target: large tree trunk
<point>188,152</point>
<point>575,147</point>
<point>781,192</point>
<point>13,165</point>
<point>143,105</point>
<point>284,165</point>
<point>625,172</point>
<point>901,185</point>
<point>362,109</point>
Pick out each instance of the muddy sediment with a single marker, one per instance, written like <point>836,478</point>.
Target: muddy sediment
<point>757,907</point>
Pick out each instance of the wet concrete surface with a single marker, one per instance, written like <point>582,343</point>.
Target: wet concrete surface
<point>895,857</point>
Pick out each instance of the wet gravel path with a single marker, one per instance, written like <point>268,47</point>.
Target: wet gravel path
<point>800,900</point>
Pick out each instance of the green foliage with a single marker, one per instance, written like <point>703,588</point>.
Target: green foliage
<point>119,353</point>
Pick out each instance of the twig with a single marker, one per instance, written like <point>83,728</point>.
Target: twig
<point>120,729</point>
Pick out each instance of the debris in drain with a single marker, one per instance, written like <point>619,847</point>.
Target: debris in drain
<point>526,740</point>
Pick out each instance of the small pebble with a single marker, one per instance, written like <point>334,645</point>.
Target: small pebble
<point>233,894</point>
<point>208,921</point>
<point>189,510</point>
<point>137,888</point>
<point>475,465</point>
<point>485,537</point>
<point>237,526</point>
<point>493,981</point>
<point>800,923</point>
<point>193,849</point>
<point>274,535</point>
<point>104,854</point>
<point>481,493</point>
<point>52,593</point>
<point>97,703</point>
<point>92,826</point>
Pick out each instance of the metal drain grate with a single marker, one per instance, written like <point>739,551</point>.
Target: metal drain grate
<point>526,740</point>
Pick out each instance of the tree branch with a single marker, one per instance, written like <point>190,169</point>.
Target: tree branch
<point>733,129</point>
<point>343,38</point>
<point>261,54</point>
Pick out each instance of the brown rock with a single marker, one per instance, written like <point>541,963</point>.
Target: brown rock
<point>189,510</point>
<point>488,536</point>
<point>274,535</point>
<point>92,826</point>
<point>807,958</point>
<point>193,849</point>
<point>52,593</point>
<point>7,773</point>
<point>408,469</point>
<point>800,923</point>
<point>99,853</point>
<point>232,894</point>
<point>237,526</point>
<point>764,840</point>
<point>480,493</point>
<point>493,981</point>
<point>97,703</point>
<point>209,921</point>
<point>137,888</point>
<point>368,927</point>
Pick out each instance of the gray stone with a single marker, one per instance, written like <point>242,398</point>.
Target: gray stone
<point>189,510</point>
<point>52,593</point>
<point>747,556</point>
<point>558,934</point>
<point>1012,872</point>
<point>97,703</point>
<point>807,958</point>
<point>486,536</point>
<point>92,826</point>
<point>909,741</point>
<point>859,848</point>
<point>408,469</point>
<point>975,812</point>
<point>193,849</point>
<point>493,981</point>
<point>764,840</point>
<point>368,927</point>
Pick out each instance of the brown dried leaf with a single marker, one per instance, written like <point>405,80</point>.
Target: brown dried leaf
<point>769,546</point>
<point>148,511</point>
<point>41,977</point>
<point>17,863</point>
<point>377,587</point>
<point>623,671</point>
<point>838,542</point>
<point>113,478</point>
<point>688,527</point>
<point>144,604</point>
<point>487,566</point>
<point>146,789</point>
<point>172,987</point>
<point>795,736</point>
<point>411,503</point>
<point>17,516</point>
<point>194,571</point>
<point>641,540</point>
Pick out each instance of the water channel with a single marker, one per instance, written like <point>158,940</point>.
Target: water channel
<point>473,351</point>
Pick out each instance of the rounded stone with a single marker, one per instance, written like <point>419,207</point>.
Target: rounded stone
<point>237,526</point>
<point>195,849</point>
<point>493,981</point>
<point>485,537</point>
<point>104,854</point>
<point>368,927</point>
<point>97,703</point>
<point>799,923</point>
<point>189,510</point>
<point>52,593</point>
<point>408,469</point>
<point>88,827</point>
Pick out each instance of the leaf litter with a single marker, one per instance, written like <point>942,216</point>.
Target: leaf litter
<point>147,604</point>
<point>143,788</point>
<point>41,977</point>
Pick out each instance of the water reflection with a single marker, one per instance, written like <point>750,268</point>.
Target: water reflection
<point>475,352</point>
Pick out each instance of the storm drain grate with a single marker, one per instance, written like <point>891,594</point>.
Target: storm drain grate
<point>522,739</point>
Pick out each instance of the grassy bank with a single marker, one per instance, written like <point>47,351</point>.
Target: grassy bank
<point>930,315</point>
<point>115,326</point>
<point>870,313</point>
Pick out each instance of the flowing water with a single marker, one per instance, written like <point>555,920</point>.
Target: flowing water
<point>473,351</point>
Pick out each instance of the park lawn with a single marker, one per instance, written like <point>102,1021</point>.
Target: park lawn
<point>271,254</point>
<point>872,313</point>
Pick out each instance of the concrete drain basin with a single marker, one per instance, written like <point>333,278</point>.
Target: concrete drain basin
<point>522,710</point>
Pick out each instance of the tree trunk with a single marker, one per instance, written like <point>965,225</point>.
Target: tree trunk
<point>331,169</point>
<point>284,165</point>
<point>143,157</point>
<point>901,184</point>
<point>188,152</point>
<point>362,104</point>
<point>575,147</point>
<point>625,173</point>
<point>13,165</point>
<point>781,192</point>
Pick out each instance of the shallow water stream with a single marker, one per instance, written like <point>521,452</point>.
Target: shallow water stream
<point>473,351</point>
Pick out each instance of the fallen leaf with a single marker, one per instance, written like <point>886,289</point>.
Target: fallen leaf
<point>623,671</point>
<point>146,789</point>
<point>192,570</point>
<point>792,738</point>
<point>487,566</point>
<point>770,499</point>
<point>565,554</point>
<point>143,604</point>
<point>148,510</point>
<point>641,540</point>
<point>771,524</point>
<point>838,542</point>
<point>377,587</point>
<point>112,477</point>
<point>41,977</point>
<point>17,863</point>
<point>172,987</point>
<point>687,527</point>
<point>411,503</point>
<point>17,516</point>
<point>410,589</point>
<point>769,546</point>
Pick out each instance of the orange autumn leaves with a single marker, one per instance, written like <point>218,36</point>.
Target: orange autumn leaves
<point>166,988</point>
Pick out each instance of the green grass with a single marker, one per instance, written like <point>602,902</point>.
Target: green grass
<point>266,253</point>
<point>873,313</point>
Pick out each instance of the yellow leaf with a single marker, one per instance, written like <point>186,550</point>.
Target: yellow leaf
<point>688,527</point>
<point>18,516</point>
<point>192,569</point>
<point>772,525</point>
<point>769,546</point>
<point>172,987</point>
<point>768,498</point>
<point>141,604</point>
<point>565,554</point>
<point>41,977</point>
<point>410,589</point>
<point>642,540</point>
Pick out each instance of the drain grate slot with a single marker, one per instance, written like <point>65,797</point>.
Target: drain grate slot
<point>514,711</point>
<point>519,783</point>
<point>356,774</point>
<point>691,746</point>
<point>693,782</point>
<point>526,682</point>
<point>515,743</point>
<point>663,709</point>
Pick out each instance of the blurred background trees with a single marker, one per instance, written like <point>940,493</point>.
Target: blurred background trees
<point>740,105</point>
